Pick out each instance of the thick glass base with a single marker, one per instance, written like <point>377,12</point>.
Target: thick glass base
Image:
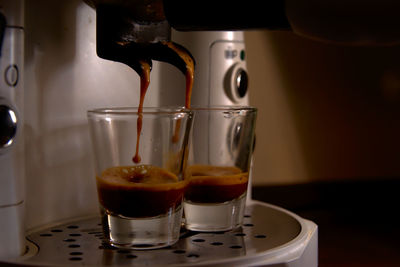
<point>214,217</point>
<point>142,233</point>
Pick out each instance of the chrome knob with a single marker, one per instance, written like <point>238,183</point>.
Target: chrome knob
<point>8,126</point>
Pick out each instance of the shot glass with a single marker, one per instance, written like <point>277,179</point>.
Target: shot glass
<point>221,147</point>
<point>140,161</point>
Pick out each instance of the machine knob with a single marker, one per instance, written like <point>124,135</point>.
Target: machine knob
<point>241,82</point>
<point>236,82</point>
<point>8,126</point>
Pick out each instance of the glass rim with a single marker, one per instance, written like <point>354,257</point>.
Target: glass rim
<point>168,110</point>
<point>134,110</point>
<point>223,108</point>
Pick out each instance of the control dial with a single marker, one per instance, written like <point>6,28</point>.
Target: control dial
<point>242,80</point>
<point>8,125</point>
<point>236,82</point>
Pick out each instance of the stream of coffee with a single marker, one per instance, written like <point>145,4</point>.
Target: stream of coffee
<point>184,55</point>
<point>144,84</point>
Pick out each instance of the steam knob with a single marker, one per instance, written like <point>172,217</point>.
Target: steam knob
<point>242,80</point>
<point>8,126</point>
<point>236,82</point>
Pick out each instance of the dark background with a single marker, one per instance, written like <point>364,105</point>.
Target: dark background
<point>357,220</point>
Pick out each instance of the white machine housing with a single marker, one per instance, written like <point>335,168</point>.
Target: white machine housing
<point>11,129</point>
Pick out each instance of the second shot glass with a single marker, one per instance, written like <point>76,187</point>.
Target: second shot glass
<point>221,147</point>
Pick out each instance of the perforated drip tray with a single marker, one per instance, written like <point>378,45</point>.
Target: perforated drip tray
<point>80,242</point>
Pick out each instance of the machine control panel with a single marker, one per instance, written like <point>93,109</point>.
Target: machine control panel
<point>228,70</point>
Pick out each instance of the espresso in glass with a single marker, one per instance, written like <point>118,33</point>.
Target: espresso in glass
<point>140,185</point>
<point>139,191</point>
<point>218,167</point>
<point>141,204</point>
<point>215,184</point>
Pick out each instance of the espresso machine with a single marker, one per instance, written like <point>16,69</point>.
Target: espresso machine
<point>11,125</point>
<point>52,75</point>
<point>52,60</point>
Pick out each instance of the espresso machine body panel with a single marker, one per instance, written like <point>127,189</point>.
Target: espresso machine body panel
<point>12,169</point>
<point>65,78</point>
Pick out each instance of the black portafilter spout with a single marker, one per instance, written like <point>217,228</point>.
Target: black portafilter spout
<point>131,32</point>
<point>116,36</point>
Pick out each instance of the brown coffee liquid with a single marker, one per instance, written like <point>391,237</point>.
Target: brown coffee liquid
<point>189,70</point>
<point>144,84</point>
<point>215,184</point>
<point>139,191</point>
<point>189,75</point>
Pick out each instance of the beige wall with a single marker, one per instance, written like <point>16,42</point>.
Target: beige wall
<point>325,111</point>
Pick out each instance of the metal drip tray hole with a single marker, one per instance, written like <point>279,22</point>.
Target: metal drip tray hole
<point>179,251</point>
<point>45,234</point>
<point>75,259</point>
<point>75,234</point>
<point>82,242</point>
<point>75,253</point>
<point>69,240</point>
